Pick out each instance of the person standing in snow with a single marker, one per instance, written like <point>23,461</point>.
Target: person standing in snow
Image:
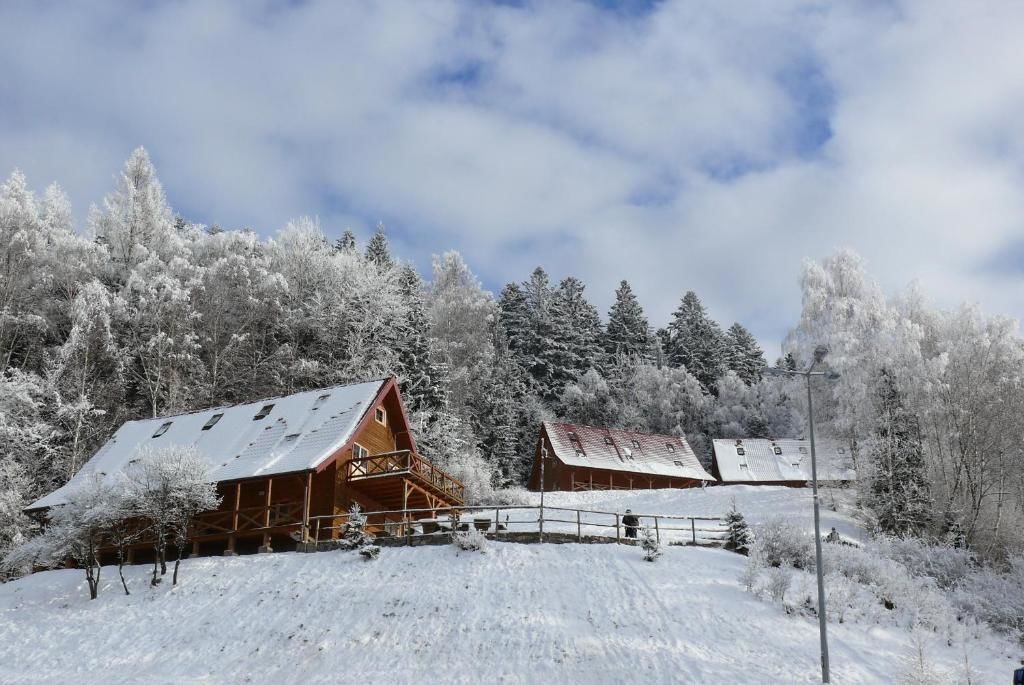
<point>631,522</point>
<point>833,537</point>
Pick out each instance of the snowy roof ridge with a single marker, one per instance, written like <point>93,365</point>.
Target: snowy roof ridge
<point>781,460</point>
<point>297,433</point>
<point>654,454</point>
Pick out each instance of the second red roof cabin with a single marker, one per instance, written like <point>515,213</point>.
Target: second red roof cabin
<point>593,458</point>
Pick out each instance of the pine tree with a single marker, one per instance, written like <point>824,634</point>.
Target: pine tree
<point>578,330</point>
<point>628,333</point>
<point>649,544</point>
<point>346,243</point>
<point>899,494</point>
<point>743,355</point>
<point>377,249</point>
<point>696,342</point>
<point>514,317</point>
<point>424,380</point>
<point>739,538</point>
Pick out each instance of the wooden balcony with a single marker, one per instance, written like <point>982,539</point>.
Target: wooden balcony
<point>406,465</point>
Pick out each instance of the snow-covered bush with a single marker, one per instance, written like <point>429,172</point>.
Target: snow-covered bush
<point>470,540</point>
<point>353,531</point>
<point>777,583</point>
<point>996,598</point>
<point>370,552</point>
<point>948,565</point>
<point>649,544</point>
<point>777,543</point>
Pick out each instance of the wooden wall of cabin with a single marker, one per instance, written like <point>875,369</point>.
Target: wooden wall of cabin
<point>376,438</point>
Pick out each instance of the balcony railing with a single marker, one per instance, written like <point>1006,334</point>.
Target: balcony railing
<point>406,462</point>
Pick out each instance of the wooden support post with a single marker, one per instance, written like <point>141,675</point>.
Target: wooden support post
<point>405,507</point>
<point>618,539</point>
<point>266,548</point>
<point>657,533</point>
<point>497,519</point>
<point>130,556</point>
<point>591,480</point>
<point>611,483</point>
<point>631,482</point>
<point>572,481</point>
<point>195,548</point>
<point>693,530</point>
<point>307,496</point>
<point>230,551</point>
<point>579,527</point>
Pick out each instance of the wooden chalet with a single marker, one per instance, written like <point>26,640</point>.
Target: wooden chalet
<point>762,461</point>
<point>592,458</point>
<point>289,467</point>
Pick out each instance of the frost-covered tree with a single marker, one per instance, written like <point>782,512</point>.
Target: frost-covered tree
<point>423,378</point>
<point>628,333</point>
<point>696,341</point>
<point>578,330</point>
<point>649,544</point>
<point>743,355</point>
<point>738,538</point>
<point>590,401</point>
<point>377,249</point>
<point>899,493</point>
<point>347,242</point>
<point>136,222</point>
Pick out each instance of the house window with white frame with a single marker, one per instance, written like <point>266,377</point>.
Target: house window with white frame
<point>380,416</point>
<point>359,452</point>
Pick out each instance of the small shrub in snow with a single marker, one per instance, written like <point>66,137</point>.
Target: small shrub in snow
<point>353,532</point>
<point>777,583</point>
<point>470,540</point>
<point>751,574</point>
<point>649,544</point>
<point>778,544</point>
<point>996,598</point>
<point>370,552</point>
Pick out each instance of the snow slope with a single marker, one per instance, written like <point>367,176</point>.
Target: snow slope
<point>513,614</point>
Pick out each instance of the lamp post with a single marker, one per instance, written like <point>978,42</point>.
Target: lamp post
<point>543,458</point>
<point>819,355</point>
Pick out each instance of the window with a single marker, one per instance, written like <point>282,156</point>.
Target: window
<point>608,440</point>
<point>636,444</point>
<point>292,438</point>
<point>359,452</point>
<point>380,416</point>
<point>670,447</point>
<point>162,429</point>
<point>777,449</point>
<point>213,421</point>
<point>320,401</point>
<point>629,453</point>
<point>740,451</point>
<point>803,450</point>
<point>573,436</point>
<point>264,412</point>
<point>678,463</point>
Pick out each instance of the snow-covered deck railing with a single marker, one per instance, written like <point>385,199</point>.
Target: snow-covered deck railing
<point>504,520</point>
<point>406,463</point>
<point>249,519</point>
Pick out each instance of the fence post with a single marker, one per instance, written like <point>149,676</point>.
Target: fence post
<point>693,530</point>
<point>657,534</point>
<point>497,520</point>
<point>579,527</point>
<point>316,533</point>
<point>618,540</point>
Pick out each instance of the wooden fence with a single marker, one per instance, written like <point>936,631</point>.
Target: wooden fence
<point>497,521</point>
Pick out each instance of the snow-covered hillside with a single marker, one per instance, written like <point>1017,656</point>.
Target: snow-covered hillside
<point>514,613</point>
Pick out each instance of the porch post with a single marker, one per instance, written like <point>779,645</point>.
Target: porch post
<point>405,505</point>
<point>305,506</point>
<point>266,520</point>
<point>230,551</point>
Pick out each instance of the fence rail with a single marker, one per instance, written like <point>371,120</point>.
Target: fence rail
<point>504,520</point>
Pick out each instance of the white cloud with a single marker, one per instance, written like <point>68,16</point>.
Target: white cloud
<point>677,149</point>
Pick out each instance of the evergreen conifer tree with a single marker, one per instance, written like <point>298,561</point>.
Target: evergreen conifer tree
<point>377,248</point>
<point>628,333</point>
<point>899,495</point>
<point>649,544</point>
<point>346,243</point>
<point>577,328</point>
<point>743,355</point>
<point>739,538</point>
<point>424,380</point>
<point>697,342</point>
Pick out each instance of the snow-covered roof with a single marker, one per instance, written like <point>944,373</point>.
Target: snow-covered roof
<point>618,450</point>
<point>761,459</point>
<point>259,439</point>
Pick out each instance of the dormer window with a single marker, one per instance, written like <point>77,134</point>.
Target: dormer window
<point>678,463</point>
<point>777,449</point>
<point>803,450</point>
<point>670,447</point>
<point>573,436</point>
<point>213,421</point>
<point>320,401</point>
<point>740,451</point>
<point>608,440</point>
<point>636,444</point>
<point>292,438</point>
<point>264,412</point>
<point>380,416</point>
<point>162,429</point>
<point>580,453</point>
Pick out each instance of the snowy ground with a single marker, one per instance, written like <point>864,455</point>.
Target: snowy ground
<point>514,614</point>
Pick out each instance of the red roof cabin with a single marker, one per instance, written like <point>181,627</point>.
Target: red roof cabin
<point>593,458</point>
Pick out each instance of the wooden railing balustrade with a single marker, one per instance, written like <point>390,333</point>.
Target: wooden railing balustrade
<point>406,462</point>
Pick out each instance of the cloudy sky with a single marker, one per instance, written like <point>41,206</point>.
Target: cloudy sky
<point>680,145</point>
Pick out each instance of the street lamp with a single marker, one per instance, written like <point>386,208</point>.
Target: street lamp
<point>820,353</point>
<point>543,458</point>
